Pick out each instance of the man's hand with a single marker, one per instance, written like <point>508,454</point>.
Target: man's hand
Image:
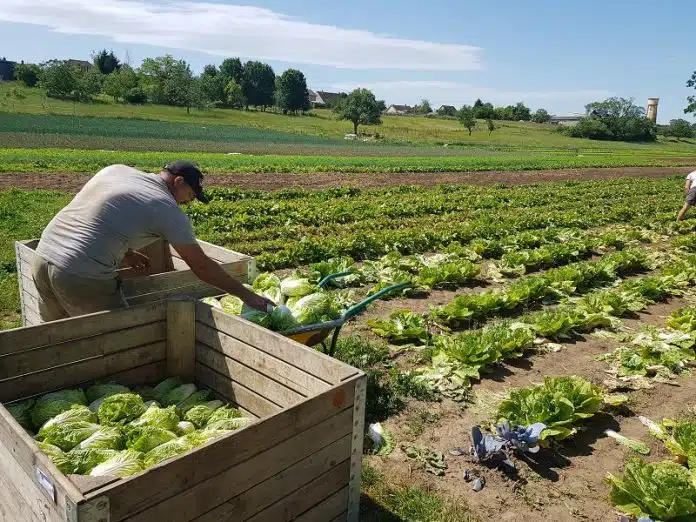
<point>137,260</point>
<point>257,301</point>
<point>213,274</point>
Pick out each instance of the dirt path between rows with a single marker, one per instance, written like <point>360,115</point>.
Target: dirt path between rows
<point>274,181</point>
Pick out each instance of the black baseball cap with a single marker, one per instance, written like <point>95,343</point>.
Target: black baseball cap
<point>192,176</point>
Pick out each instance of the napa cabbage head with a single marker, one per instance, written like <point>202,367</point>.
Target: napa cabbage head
<point>165,418</point>
<point>296,286</point>
<point>199,414</point>
<point>83,460</point>
<point>57,456</point>
<point>105,438</point>
<point>67,435</point>
<point>77,412</point>
<point>21,411</point>
<point>146,438</point>
<point>231,304</point>
<point>164,387</point>
<point>120,409</point>
<point>98,391</point>
<point>124,464</point>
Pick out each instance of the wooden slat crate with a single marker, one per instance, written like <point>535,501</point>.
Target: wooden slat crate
<point>300,460</point>
<point>167,276</point>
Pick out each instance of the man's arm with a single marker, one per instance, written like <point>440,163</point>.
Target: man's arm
<point>209,271</point>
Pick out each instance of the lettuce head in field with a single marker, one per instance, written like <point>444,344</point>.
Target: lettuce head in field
<point>120,409</point>
<point>659,490</point>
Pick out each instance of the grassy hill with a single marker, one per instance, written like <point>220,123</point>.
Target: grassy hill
<point>151,127</point>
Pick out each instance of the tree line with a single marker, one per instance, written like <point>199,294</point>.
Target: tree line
<point>166,80</point>
<point>486,111</point>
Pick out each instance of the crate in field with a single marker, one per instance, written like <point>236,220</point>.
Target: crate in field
<point>299,460</point>
<point>167,276</point>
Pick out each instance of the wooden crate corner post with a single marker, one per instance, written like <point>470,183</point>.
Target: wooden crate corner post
<point>181,338</point>
<point>18,263</point>
<point>357,449</point>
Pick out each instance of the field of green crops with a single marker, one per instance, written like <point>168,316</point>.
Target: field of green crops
<point>564,309</point>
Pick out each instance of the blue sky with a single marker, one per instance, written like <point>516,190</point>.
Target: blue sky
<point>556,55</point>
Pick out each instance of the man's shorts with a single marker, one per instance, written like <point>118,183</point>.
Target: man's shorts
<point>691,197</point>
<point>66,295</point>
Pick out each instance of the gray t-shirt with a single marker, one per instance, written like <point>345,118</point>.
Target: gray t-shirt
<point>119,208</point>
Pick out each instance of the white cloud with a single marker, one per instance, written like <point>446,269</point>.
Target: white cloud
<point>236,30</point>
<point>458,94</point>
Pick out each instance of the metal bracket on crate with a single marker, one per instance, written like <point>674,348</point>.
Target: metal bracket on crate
<point>357,449</point>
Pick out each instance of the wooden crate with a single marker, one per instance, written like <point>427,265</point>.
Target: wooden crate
<point>167,276</point>
<point>300,460</point>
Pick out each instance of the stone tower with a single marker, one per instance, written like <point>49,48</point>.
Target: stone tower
<point>652,109</point>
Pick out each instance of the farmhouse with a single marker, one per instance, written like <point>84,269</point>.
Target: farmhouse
<point>80,63</point>
<point>447,109</point>
<point>322,98</point>
<point>6,70</point>
<point>399,109</point>
<point>565,120</point>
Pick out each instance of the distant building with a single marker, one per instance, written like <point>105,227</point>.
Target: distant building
<point>399,109</point>
<point>6,70</point>
<point>80,63</point>
<point>322,98</point>
<point>565,120</point>
<point>447,109</point>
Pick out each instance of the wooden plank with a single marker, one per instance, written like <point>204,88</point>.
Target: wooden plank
<point>179,264</point>
<point>19,452</point>
<point>181,338</point>
<point>70,329</point>
<point>144,375</point>
<point>85,483</point>
<point>20,498</point>
<point>272,490</point>
<point>175,280</point>
<point>307,359</point>
<point>197,289</point>
<point>328,509</point>
<point>221,254</point>
<point>84,371</point>
<point>307,496</point>
<point>174,477</point>
<point>358,434</point>
<point>45,357</point>
<point>245,397</point>
<point>237,479</point>
<point>22,305</point>
<point>32,318</point>
<point>341,518</point>
<point>26,250</point>
<point>262,385</point>
<point>276,368</point>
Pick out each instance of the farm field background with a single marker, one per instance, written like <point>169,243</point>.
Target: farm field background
<point>516,282</point>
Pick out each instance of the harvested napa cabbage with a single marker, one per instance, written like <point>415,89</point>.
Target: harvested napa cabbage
<point>97,391</point>
<point>120,409</point>
<point>146,438</point>
<point>231,304</point>
<point>228,424</point>
<point>225,412</point>
<point>51,404</point>
<point>67,435</point>
<point>200,413</point>
<point>184,428</point>
<point>104,438</point>
<point>192,400</point>
<point>21,411</point>
<point>166,418</point>
<point>296,287</point>
<point>167,450</point>
<point>179,394</point>
<point>57,456</point>
<point>77,412</point>
<point>83,460</point>
<point>164,387</point>
<point>125,464</point>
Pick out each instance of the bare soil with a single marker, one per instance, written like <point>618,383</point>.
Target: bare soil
<point>316,181</point>
<point>565,484</point>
